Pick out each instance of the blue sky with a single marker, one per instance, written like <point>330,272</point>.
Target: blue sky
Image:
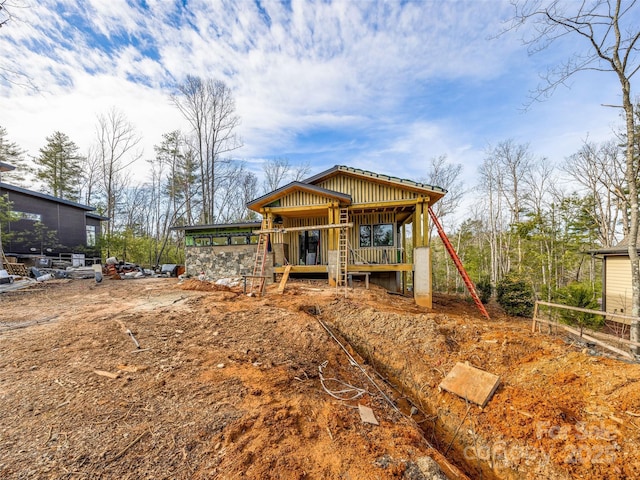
<point>378,85</point>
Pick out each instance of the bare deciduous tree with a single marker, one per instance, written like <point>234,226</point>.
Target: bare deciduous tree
<point>599,169</point>
<point>209,107</point>
<point>607,36</point>
<point>90,167</point>
<point>446,175</point>
<point>237,187</point>
<point>116,150</point>
<point>278,170</point>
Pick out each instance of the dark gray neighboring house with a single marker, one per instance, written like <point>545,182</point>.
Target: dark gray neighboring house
<point>49,226</point>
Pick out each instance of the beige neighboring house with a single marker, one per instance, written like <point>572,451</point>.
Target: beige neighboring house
<point>616,278</point>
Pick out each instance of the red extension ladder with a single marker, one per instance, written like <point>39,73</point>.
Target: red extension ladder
<point>463,273</point>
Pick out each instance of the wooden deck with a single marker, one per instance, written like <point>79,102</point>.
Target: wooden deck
<point>387,267</point>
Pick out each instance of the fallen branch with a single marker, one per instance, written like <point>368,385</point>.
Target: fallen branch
<point>126,449</point>
<point>106,374</point>
<point>48,436</point>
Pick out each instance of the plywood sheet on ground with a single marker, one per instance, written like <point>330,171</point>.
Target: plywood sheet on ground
<point>471,383</point>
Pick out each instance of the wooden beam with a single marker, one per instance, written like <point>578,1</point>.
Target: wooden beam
<point>387,267</point>
<point>302,229</point>
<point>303,269</point>
<point>409,202</point>
<point>627,319</point>
<point>297,209</point>
<point>589,338</point>
<point>285,277</point>
<point>330,237</point>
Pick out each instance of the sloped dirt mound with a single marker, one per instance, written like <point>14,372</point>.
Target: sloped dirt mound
<point>558,413</point>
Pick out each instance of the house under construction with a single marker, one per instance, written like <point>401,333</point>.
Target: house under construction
<point>343,222</point>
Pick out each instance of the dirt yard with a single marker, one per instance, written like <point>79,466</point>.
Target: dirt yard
<point>228,386</point>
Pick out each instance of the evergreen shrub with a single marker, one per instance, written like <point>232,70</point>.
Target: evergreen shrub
<point>515,296</point>
<point>484,289</point>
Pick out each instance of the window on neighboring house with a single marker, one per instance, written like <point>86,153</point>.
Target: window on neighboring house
<point>203,241</point>
<point>220,241</point>
<point>36,217</point>
<point>91,235</point>
<point>243,240</point>
<point>365,235</point>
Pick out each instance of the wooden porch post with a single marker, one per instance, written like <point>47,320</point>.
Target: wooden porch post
<point>417,226</point>
<point>331,245</point>
<point>403,258</point>
<point>425,222</point>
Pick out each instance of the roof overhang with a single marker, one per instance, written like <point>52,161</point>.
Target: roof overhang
<point>5,167</point>
<point>259,203</point>
<point>13,188</point>
<point>96,216</point>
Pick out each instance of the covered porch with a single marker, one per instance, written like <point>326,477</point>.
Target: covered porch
<point>307,239</point>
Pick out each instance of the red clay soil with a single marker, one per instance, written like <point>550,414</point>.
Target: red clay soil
<point>228,386</point>
<point>222,386</point>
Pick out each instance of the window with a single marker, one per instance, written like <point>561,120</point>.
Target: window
<point>203,241</point>
<point>36,217</point>
<point>239,240</point>
<point>380,235</point>
<point>91,235</point>
<point>383,235</point>
<point>365,235</point>
<point>220,241</point>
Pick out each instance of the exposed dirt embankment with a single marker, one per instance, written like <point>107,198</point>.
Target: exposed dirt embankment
<point>558,413</point>
<point>227,386</point>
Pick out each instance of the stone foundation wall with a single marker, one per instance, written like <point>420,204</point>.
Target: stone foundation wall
<point>226,261</point>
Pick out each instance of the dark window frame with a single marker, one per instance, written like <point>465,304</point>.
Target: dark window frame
<point>391,238</point>
<point>368,241</point>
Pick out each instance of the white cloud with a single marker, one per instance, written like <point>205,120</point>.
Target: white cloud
<point>394,83</point>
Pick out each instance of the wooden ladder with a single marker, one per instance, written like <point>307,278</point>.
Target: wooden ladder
<point>258,278</point>
<point>456,260</point>
<point>343,250</point>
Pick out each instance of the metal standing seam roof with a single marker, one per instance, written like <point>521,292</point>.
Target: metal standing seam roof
<point>374,175</point>
<point>309,184</point>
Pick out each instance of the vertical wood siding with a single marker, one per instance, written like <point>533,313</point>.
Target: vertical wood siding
<point>365,191</point>
<point>618,285</point>
<point>299,198</point>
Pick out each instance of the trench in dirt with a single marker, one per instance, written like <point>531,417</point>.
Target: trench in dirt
<point>453,442</point>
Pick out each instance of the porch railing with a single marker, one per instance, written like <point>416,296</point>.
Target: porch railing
<point>376,255</point>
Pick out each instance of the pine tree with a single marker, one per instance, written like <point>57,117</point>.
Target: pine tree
<point>13,155</point>
<point>58,167</point>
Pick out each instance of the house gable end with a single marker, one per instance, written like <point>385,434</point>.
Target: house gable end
<point>370,187</point>
<point>297,194</point>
